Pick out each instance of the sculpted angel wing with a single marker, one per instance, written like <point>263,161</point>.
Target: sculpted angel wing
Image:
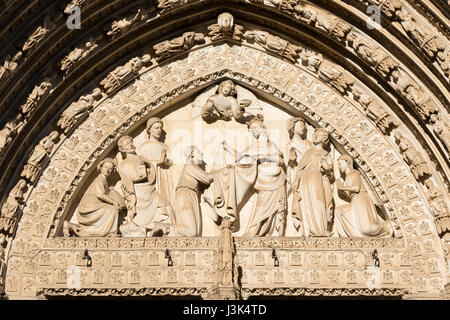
<point>245,96</point>
<point>200,101</point>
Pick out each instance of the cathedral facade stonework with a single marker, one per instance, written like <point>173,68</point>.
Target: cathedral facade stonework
<point>225,149</point>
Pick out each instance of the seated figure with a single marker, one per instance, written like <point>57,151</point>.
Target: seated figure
<point>98,211</point>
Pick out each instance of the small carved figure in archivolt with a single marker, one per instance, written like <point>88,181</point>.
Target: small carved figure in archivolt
<point>225,27</point>
<point>35,97</point>
<point>442,129</point>
<point>124,24</point>
<point>225,102</point>
<point>274,44</point>
<point>9,66</point>
<point>358,218</point>
<point>122,74</point>
<point>40,154</point>
<point>185,42</point>
<point>78,111</point>
<point>38,34</point>
<point>9,131</point>
<point>412,157</point>
<point>341,81</point>
<point>98,211</point>
<point>436,198</point>
<point>77,55</point>
<point>10,209</point>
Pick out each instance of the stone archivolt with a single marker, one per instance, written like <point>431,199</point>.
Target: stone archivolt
<point>34,226</point>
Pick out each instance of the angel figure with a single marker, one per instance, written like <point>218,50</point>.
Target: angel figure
<point>225,102</point>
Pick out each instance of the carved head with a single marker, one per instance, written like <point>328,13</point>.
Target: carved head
<point>225,21</point>
<point>227,88</point>
<point>106,166</point>
<point>126,145</point>
<point>296,126</point>
<point>155,128</point>
<point>256,126</point>
<point>320,135</point>
<point>345,162</point>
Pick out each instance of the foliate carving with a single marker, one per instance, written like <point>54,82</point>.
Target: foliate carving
<point>274,44</point>
<point>38,158</point>
<point>125,73</point>
<point>76,56</point>
<point>225,28</point>
<point>10,209</point>
<point>78,111</point>
<point>185,42</point>
<point>419,167</point>
<point>341,81</point>
<point>39,92</point>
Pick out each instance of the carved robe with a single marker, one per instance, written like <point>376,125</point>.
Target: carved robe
<point>96,217</point>
<point>188,220</point>
<point>145,203</point>
<point>359,218</point>
<point>313,188</point>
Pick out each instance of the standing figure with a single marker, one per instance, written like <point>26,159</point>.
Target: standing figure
<point>40,153</point>
<point>98,211</point>
<point>359,218</point>
<point>155,151</point>
<point>148,212</point>
<point>188,220</point>
<point>312,186</point>
<point>268,215</point>
<point>296,148</point>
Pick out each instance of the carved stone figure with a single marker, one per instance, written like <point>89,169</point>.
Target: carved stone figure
<point>312,186</point>
<point>376,57</point>
<point>225,28</point>
<point>124,24</point>
<point>225,102</point>
<point>77,55</point>
<point>334,26</point>
<point>384,121</point>
<point>296,148</point>
<point>226,251</point>
<point>188,220</point>
<point>436,198</point>
<point>38,34</point>
<point>98,210</point>
<point>156,152</point>
<point>411,26</point>
<point>412,157</point>
<point>268,216</point>
<point>443,58</point>
<point>9,131</point>
<point>77,111</point>
<point>165,5</point>
<point>274,44</point>
<point>306,13</point>
<point>311,60</point>
<point>442,129</point>
<point>423,104</point>
<point>8,217</point>
<point>338,79</point>
<point>167,48</point>
<point>9,66</point>
<point>36,95</point>
<point>358,218</point>
<point>147,210</point>
<point>40,154</point>
<point>124,73</point>
<point>388,7</point>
